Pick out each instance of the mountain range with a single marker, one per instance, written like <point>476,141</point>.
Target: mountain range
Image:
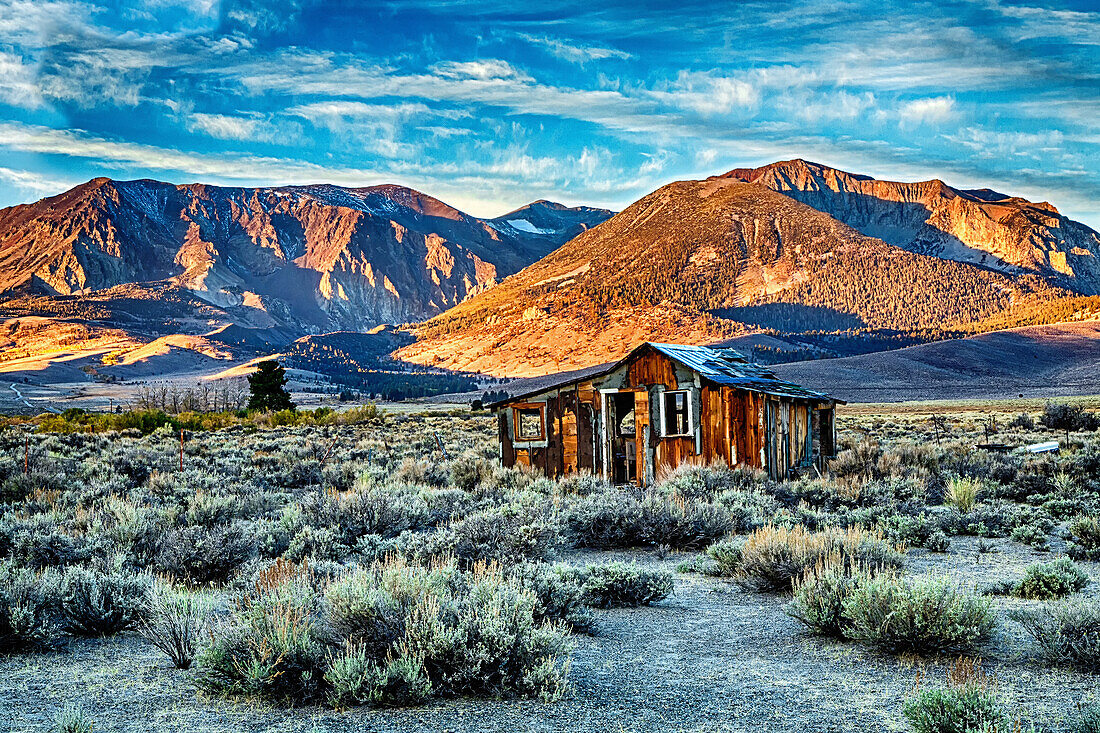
<point>315,258</point>
<point>816,261</point>
<point>793,248</point>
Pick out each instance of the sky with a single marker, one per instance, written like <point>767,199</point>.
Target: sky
<point>488,105</point>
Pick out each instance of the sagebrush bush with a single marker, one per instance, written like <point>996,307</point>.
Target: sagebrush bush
<point>28,618</point>
<point>616,519</point>
<point>203,556</point>
<point>510,534</point>
<point>274,645</point>
<point>821,593</point>
<point>358,678</point>
<point>558,589</point>
<point>968,708</point>
<point>919,616</point>
<point>772,557</point>
<point>618,584</point>
<point>390,634</point>
<point>1084,535</point>
<point>606,520</point>
<point>174,620</point>
<point>94,603</point>
<point>1047,580</point>
<point>1066,632</point>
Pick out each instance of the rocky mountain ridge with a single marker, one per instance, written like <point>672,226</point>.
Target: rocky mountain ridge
<point>315,258</point>
<point>979,226</point>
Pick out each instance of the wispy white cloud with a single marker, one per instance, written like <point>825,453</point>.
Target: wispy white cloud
<point>928,110</point>
<point>18,86</point>
<point>573,52</point>
<point>35,183</point>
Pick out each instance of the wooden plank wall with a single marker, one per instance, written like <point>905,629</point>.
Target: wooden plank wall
<point>737,427</point>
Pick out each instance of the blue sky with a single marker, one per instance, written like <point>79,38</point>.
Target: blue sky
<point>489,105</point>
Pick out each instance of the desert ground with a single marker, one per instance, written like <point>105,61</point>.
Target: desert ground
<point>715,653</point>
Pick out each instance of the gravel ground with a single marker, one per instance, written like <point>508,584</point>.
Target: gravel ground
<point>710,658</point>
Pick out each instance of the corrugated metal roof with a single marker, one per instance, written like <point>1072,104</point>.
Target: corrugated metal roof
<point>727,366</point>
<point>722,366</point>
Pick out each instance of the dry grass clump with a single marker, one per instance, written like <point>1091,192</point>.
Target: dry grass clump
<point>962,492</point>
<point>771,558</point>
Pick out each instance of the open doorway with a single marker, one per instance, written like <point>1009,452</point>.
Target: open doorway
<point>622,437</point>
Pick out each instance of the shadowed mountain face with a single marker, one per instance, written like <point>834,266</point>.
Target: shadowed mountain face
<point>701,261</point>
<point>977,226</point>
<point>312,257</point>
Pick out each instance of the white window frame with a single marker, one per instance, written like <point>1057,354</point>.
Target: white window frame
<point>690,413</point>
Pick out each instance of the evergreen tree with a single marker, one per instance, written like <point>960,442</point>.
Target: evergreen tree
<point>267,386</point>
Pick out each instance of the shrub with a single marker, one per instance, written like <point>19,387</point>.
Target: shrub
<point>72,719</point>
<point>922,616</point>
<point>727,557</point>
<point>274,645</point>
<point>820,595</point>
<point>681,524</point>
<point>480,636</point>
<point>772,557</point>
<point>559,593</point>
<point>201,556</point>
<point>508,535</point>
<point>94,603</point>
<point>967,708</point>
<point>962,492</point>
<point>358,679</point>
<point>1055,579</point>
<point>607,520</point>
<point>173,621</point>
<point>27,618</point>
<point>1067,632</point>
<point>1029,534</point>
<point>389,634</point>
<point>918,530</point>
<point>618,585</point>
<point>1084,535</point>
<point>1022,421</point>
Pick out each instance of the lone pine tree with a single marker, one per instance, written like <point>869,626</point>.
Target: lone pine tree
<point>268,390</point>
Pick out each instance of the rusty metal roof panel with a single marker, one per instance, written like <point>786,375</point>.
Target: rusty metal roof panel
<point>730,367</point>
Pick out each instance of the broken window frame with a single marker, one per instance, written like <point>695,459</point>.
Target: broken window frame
<point>517,422</point>
<point>688,411</point>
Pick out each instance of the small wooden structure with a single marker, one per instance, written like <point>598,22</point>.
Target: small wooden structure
<point>664,405</point>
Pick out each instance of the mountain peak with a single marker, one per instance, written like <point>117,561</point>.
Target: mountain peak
<point>979,226</point>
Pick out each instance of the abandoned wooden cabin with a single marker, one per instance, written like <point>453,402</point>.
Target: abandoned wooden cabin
<point>661,406</point>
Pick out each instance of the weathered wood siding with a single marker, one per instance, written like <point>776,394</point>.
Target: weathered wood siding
<point>733,426</point>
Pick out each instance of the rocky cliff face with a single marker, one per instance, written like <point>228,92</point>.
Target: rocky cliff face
<point>982,227</point>
<point>321,257</point>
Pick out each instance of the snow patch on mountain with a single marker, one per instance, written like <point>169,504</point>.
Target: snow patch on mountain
<point>525,226</point>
